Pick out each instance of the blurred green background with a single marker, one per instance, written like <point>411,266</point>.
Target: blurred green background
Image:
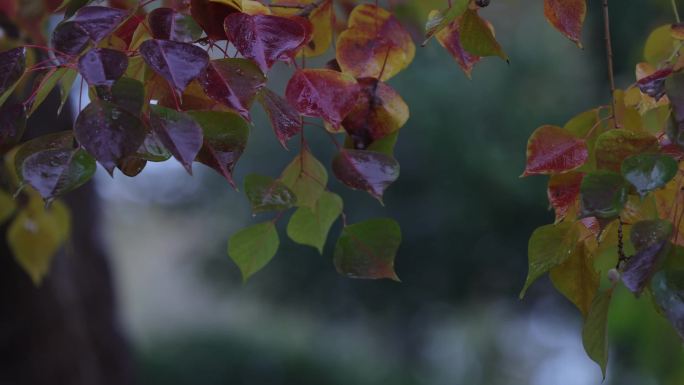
<point>465,216</point>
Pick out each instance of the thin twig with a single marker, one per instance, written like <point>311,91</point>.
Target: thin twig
<point>674,8</point>
<point>609,56</point>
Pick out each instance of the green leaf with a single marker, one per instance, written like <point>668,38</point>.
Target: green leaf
<point>477,36</point>
<point>66,83</point>
<point>385,145</point>
<point>367,249</point>
<point>267,194</point>
<point>577,279</point>
<point>659,45</point>
<point>438,20</point>
<point>594,335</point>
<point>603,194</point>
<point>306,177</point>
<point>614,146</point>
<point>47,84</point>
<point>253,247</point>
<point>648,172</point>
<point>549,246</point>
<point>126,93</point>
<point>311,226</point>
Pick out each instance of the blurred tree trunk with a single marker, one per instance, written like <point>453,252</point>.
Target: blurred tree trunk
<point>65,332</point>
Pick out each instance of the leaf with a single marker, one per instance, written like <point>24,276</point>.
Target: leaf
<point>69,39</point>
<point>12,67</point>
<point>653,85</point>
<point>367,249</point>
<point>306,177</point>
<point>284,118</point>
<point>477,36</point>
<point>669,296</point>
<point>102,66</point>
<point>603,194</point>
<point>167,24</point>
<point>35,236</point>
<point>563,191</point>
<point>567,16</point>
<point>385,145</point>
<point>674,88</point>
<point>647,172</point>
<point>7,206</point>
<point>594,331</point>
<point>322,20</point>
<point>553,150</point>
<point>366,170</point>
<point>99,21</point>
<point>439,20</point>
<point>66,83</point>
<point>108,132</point>
<point>614,146</point>
<point>178,132</point>
<point>178,63</point>
<point>577,279</point>
<point>233,83</point>
<point>126,93</point>
<point>152,149</point>
<point>659,45</point>
<point>310,226</point>
<point>379,111</point>
<point>211,14</point>
<point>225,138</point>
<point>549,246</point>
<point>12,125</point>
<point>651,241</point>
<point>267,194</point>
<point>253,247</point>
<point>323,93</point>
<point>450,38</point>
<point>374,44</point>
<point>46,85</point>
<point>52,165</point>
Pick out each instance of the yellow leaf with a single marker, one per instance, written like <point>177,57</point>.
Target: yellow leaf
<point>7,206</point>
<point>576,279</point>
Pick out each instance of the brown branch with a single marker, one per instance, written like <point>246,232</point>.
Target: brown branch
<point>609,56</point>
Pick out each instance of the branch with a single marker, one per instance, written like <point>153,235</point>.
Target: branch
<point>310,8</point>
<point>609,55</point>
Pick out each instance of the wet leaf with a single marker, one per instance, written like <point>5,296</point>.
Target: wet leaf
<point>651,241</point>
<point>69,39</point>
<point>654,85</point>
<point>178,132</point>
<point>167,24</point>
<point>603,194</point>
<point>563,191</point>
<point>614,146</point>
<point>267,194</point>
<point>577,279</point>
<point>567,16</point>
<point>12,125</point>
<point>477,36</point>
<point>12,67</point>
<point>552,150</point>
<point>367,249</point>
<point>322,19</point>
<point>178,63</point>
<point>99,21</point>
<point>66,83</point>
<point>267,39</point>
<point>306,177</point>
<point>46,85</point>
<point>379,111</point>
<point>108,132</point>
<point>647,172</point>
<point>594,331</point>
<point>310,226</point>
<point>549,246</point>
<point>126,93</point>
<point>225,139</point>
<point>211,14</point>
<point>323,93</point>
<point>659,45</point>
<point>438,20</point>
<point>152,149</point>
<point>233,83</point>
<point>253,247</point>
<point>450,39</point>
<point>285,119</point>
<point>374,44</point>
<point>102,66</point>
<point>370,171</point>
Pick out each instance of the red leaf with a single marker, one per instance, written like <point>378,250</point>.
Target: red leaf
<point>552,150</point>
<point>98,21</point>
<point>366,170</point>
<point>450,39</point>
<point>285,120</point>
<point>178,63</point>
<point>233,83</point>
<point>567,16</point>
<point>178,132</point>
<point>323,93</point>
<point>266,38</point>
<point>210,16</point>
<point>166,23</point>
<point>102,66</point>
<point>563,192</point>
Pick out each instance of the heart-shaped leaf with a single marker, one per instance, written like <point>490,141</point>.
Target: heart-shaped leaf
<point>614,146</point>
<point>69,39</point>
<point>366,170</point>
<point>167,24</point>
<point>12,67</point>
<point>102,66</point>
<point>267,194</point>
<point>178,63</point>
<point>563,191</point>
<point>178,132</point>
<point>594,331</point>
<point>577,279</point>
<point>438,20</point>
<point>108,132</point>
<point>653,85</point>
<point>323,93</point>
<point>450,38</point>
<point>210,14</point>
<point>225,138</point>
<point>267,39</point>
<point>647,172</point>
<point>126,93</point>
<point>603,194</point>
<point>233,83</point>
<point>253,247</point>
<point>651,241</point>
<point>284,118</point>
<point>374,44</point>
<point>553,150</point>
<point>99,21</point>
<point>668,293</point>
<point>477,36</point>
<point>567,16</point>
<point>367,249</point>
<point>306,177</point>
<point>310,226</point>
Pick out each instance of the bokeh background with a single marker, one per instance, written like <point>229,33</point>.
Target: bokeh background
<point>466,218</point>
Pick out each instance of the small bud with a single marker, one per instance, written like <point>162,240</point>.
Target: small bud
<point>613,276</point>
<point>482,3</point>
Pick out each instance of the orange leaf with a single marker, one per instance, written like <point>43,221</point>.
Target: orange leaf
<point>567,16</point>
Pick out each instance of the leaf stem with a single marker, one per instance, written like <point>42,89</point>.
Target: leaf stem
<point>676,12</point>
<point>609,57</point>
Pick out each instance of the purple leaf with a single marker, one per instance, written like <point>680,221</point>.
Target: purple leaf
<point>233,83</point>
<point>651,240</point>
<point>167,24</point>
<point>366,170</point>
<point>12,66</point>
<point>108,132</point>
<point>99,21</point>
<point>102,66</point>
<point>178,63</point>
<point>178,132</point>
<point>654,84</point>
<point>69,39</point>
<point>285,119</point>
<point>12,125</point>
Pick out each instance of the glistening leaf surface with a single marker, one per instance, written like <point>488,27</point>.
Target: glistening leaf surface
<point>285,119</point>
<point>603,194</point>
<point>370,171</point>
<point>267,194</point>
<point>233,83</point>
<point>99,21</point>
<point>647,172</point>
<point>178,132</point>
<point>178,63</point>
<point>552,150</point>
<point>102,66</point>
<point>367,249</point>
